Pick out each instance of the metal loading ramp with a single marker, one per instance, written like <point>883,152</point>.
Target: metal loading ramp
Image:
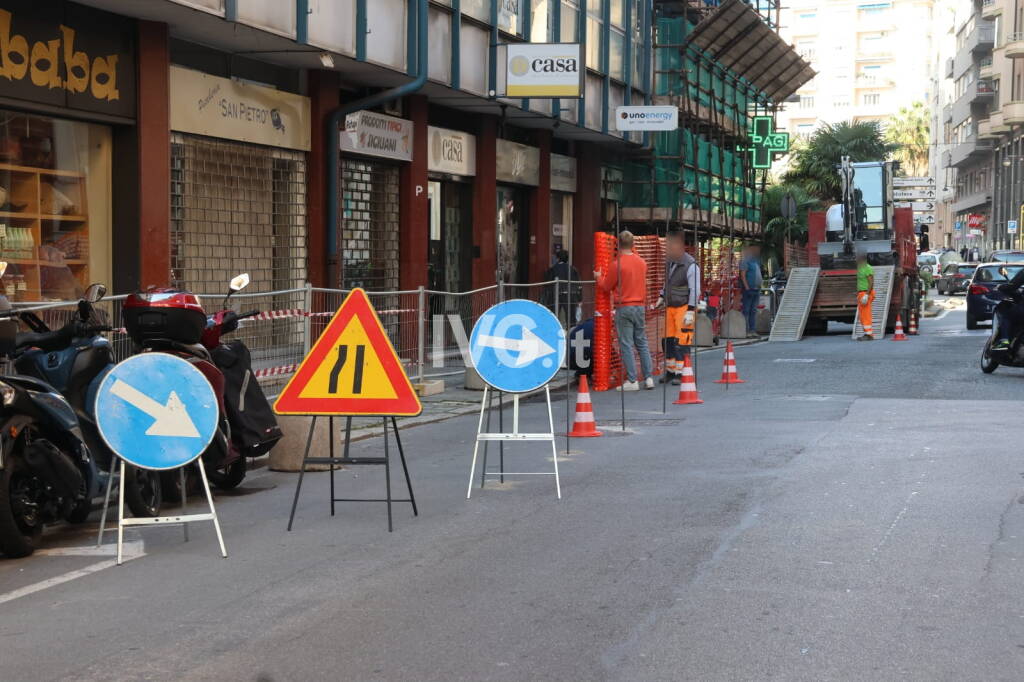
<point>880,308</point>
<point>791,318</point>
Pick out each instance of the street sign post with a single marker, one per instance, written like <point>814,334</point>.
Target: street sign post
<point>1011,226</point>
<point>352,370</point>
<point>157,411</point>
<point>913,182</point>
<point>914,194</point>
<point>516,346</point>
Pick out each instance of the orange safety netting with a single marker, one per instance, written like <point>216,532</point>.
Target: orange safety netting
<point>719,266</point>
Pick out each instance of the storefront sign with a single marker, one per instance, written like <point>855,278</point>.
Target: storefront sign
<point>65,55</point>
<point>225,108</point>
<point>518,163</point>
<point>376,134</point>
<point>563,173</point>
<point>543,70</point>
<point>452,152</point>
<point>646,118</point>
<point>611,183</point>
<point>975,221</point>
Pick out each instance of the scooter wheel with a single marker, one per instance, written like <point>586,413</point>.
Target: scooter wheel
<point>988,363</point>
<point>229,478</point>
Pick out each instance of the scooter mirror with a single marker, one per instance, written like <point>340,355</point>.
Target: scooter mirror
<point>95,292</point>
<point>239,282</point>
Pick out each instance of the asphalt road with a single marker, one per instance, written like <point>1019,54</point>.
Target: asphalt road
<point>854,511</point>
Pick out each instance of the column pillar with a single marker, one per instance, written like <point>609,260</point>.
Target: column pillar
<point>324,97</point>
<point>485,199</point>
<point>587,217</point>
<point>414,213</point>
<point>540,211</point>
<point>154,155</point>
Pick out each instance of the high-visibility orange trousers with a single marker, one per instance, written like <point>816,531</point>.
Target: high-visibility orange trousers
<point>864,301</point>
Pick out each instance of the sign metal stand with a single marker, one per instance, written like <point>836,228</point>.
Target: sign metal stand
<point>515,435</point>
<point>182,519</point>
<point>384,461</point>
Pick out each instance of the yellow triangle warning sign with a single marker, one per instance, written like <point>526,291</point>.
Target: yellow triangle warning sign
<point>352,369</point>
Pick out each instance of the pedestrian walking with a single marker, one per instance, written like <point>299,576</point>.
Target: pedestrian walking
<point>569,294</point>
<point>628,278</point>
<point>680,297</point>
<point>750,284</point>
<point>865,295</point>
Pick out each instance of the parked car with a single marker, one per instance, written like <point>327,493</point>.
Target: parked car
<point>1007,256</point>
<point>928,262</point>
<point>982,295</point>
<point>955,278</point>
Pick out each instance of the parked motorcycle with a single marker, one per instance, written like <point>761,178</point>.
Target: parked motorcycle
<point>74,360</point>
<point>173,321</point>
<point>1014,355</point>
<point>47,473</point>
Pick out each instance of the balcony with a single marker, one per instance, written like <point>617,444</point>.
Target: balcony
<point>865,81</point>
<point>979,40</point>
<point>985,69</point>
<point>968,151</point>
<point>1013,113</point>
<point>1014,46</point>
<point>970,201</point>
<point>985,131</point>
<point>990,9</point>
<point>977,92</point>
<point>947,113</point>
<point>949,68</point>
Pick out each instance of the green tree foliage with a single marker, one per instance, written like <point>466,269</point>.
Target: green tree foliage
<point>778,229</point>
<point>908,131</point>
<point>813,163</point>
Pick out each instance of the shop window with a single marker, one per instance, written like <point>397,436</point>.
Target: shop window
<point>594,44</point>
<point>369,225</point>
<point>616,46</point>
<point>569,26</point>
<point>236,207</point>
<point>540,21</point>
<point>55,205</point>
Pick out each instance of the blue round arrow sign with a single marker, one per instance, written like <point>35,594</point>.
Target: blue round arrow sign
<point>156,411</point>
<point>517,346</point>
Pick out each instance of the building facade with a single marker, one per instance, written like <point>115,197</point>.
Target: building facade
<point>873,57</point>
<point>182,141</point>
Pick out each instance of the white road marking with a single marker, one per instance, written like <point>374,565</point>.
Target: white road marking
<point>132,550</point>
<point>795,359</point>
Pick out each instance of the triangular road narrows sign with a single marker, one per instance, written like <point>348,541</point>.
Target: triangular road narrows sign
<point>352,369</point>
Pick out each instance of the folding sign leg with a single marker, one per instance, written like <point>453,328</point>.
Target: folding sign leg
<point>554,448</point>
<point>330,431</point>
<point>483,466</point>
<point>387,473</point>
<point>106,503</point>
<point>476,443</point>
<point>405,467</point>
<point>302,472</point>
<point>183,481</point>
<point>213,510</point>
<point>120,513</point>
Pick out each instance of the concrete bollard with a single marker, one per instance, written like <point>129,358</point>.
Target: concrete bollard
<point>287,455</point>
<point>705,336</point>
<point>473,381</point>
<point>734,326</point>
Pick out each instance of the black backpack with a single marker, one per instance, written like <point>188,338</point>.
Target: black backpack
<point>254,429</point>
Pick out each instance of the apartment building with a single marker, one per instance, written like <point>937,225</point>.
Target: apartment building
<point>872,57</point>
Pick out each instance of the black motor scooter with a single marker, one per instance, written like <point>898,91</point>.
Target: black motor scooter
<point>1014,355</point>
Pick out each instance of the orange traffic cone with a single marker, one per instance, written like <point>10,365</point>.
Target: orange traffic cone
<point>899,335</point>
<point>688,386</point>
<point>913,324</point>
<point>729,373</point>
<point>583,426</point>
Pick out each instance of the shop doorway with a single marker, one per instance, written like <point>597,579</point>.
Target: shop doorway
<point>513,235</point>
<point>450,241</point>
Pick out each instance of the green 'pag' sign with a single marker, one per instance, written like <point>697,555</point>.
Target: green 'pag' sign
<point>765,142</point>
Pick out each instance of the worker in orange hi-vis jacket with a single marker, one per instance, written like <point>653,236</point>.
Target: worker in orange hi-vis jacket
<point>865,295</point>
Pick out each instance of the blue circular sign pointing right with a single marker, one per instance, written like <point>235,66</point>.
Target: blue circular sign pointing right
<point>517,346</point>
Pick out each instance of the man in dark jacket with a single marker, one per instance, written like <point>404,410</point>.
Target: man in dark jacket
<point>680,296</point>
<point>569,294</point>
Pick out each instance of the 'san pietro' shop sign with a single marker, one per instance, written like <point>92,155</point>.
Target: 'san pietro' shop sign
<point>232,110</point>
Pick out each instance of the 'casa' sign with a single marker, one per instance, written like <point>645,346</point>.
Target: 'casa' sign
<point>67,55</point>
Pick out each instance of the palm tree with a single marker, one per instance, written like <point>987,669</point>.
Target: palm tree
<point>813,164</point>
<point>777,229</point>
<point>908,130</point>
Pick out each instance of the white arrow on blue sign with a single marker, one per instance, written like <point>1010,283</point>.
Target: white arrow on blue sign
<point>517,346</point>
<point>156,411</point>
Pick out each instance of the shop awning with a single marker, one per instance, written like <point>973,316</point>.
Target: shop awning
<point>738,38</point>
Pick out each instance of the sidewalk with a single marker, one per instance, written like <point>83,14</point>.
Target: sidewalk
<point>456,400</point>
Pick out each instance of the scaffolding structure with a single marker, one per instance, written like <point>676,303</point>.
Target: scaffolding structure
<point>724,67</point>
